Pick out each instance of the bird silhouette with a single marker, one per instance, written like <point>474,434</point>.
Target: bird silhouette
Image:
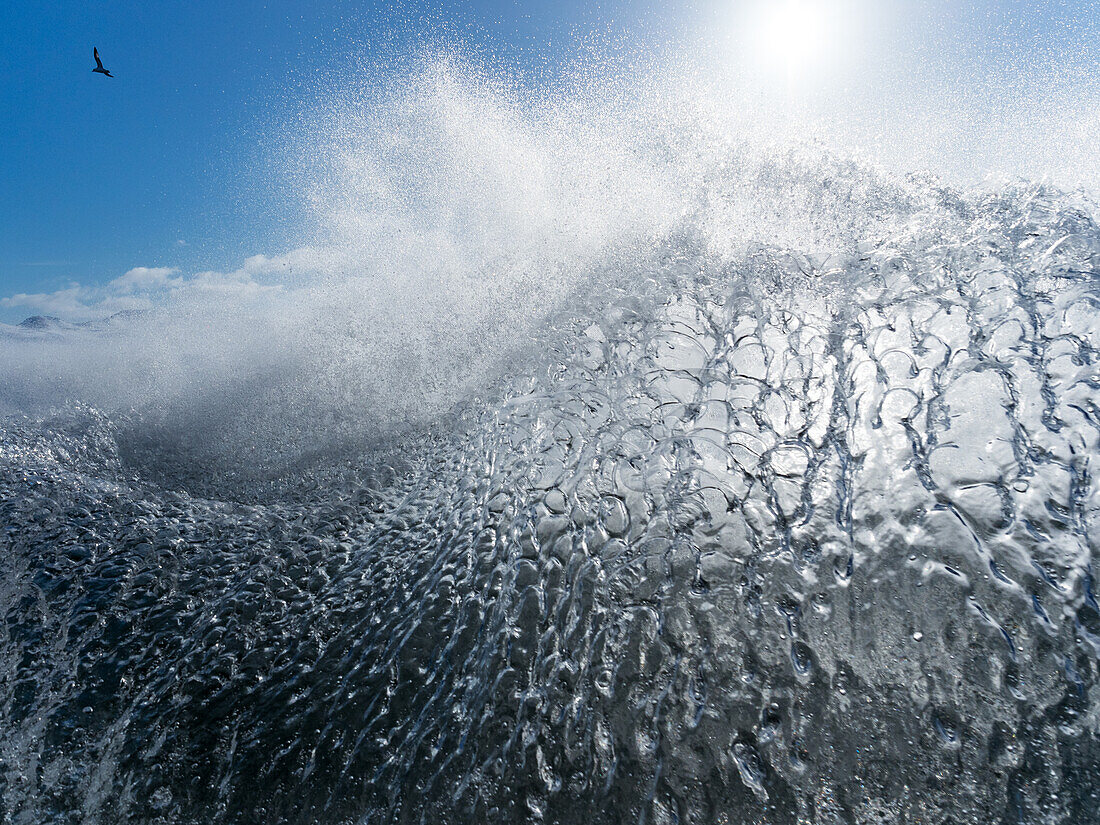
<point>99,63</point>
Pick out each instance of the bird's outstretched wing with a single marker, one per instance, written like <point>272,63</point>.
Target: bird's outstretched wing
<point>95,54</point>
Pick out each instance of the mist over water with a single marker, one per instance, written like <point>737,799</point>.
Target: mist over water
<point>640,447</point>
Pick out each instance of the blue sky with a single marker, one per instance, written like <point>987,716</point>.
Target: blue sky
<point>175,161</point>
<point>170,163</point>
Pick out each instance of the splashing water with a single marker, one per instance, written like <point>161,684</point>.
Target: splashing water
<point>605,461</point>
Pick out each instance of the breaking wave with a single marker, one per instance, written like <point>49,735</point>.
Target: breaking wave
<point>602,461</point>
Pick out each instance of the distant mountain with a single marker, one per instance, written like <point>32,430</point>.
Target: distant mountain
<point>44,322</point>
<point>50,326</point>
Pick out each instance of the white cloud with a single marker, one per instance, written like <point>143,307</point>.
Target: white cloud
<point>146,277</point>
<point>75,303</point>
<point>63,302</point>
<point>144,287</point>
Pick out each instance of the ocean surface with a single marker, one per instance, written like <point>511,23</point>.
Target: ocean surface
<point>611,464</point>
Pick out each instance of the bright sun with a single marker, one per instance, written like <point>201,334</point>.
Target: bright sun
<point>795,37</point>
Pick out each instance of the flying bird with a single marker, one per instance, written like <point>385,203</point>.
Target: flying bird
<point>99,63</point>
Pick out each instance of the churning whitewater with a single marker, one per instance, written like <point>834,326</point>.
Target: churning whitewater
<point>609,468</point>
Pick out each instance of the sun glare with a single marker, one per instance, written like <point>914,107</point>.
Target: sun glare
<point>796,38</point>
